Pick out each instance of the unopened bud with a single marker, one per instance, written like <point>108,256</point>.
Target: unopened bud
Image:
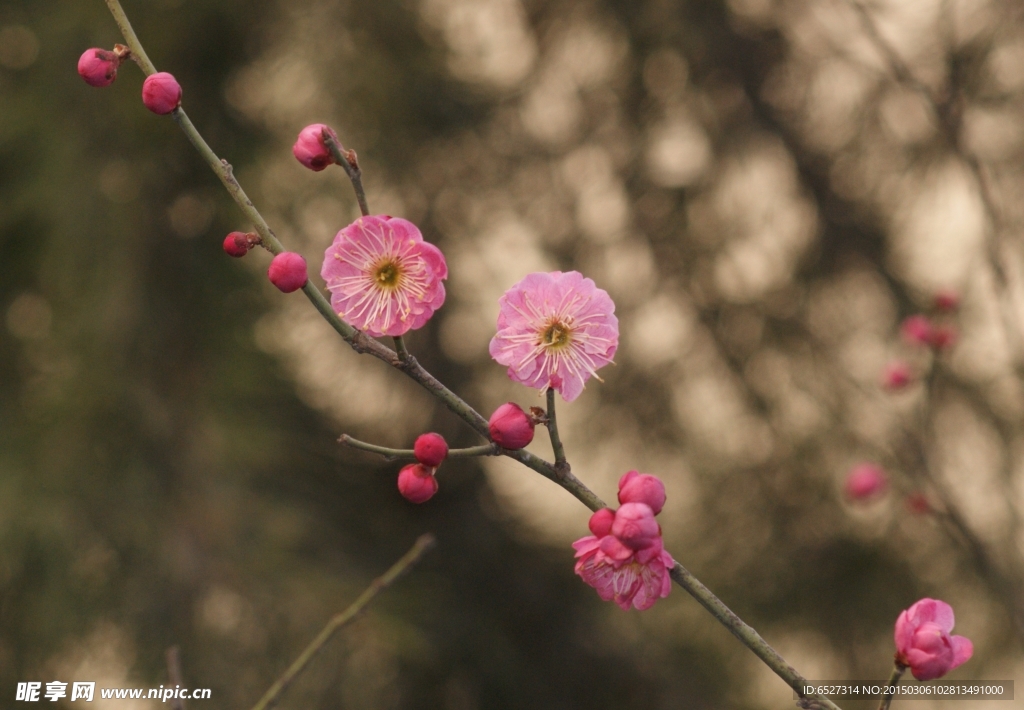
<point>416,483</point>
<point>161,93</point>
<point>511,427</point>
<point>98,66</point>
<point>601,522</point>
<point>635,487</point>
<point>238,244</point>
<point>310,148</point>
<point>430,449</point>
<point>288,271</point>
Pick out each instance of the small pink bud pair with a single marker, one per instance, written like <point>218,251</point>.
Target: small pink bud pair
<point>510,427</point>
<point>864,482</point>
<point>310,148</point>
<point>417,482</point>
<point>924,643</point>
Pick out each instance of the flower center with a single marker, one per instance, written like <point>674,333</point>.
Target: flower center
<point>387,275</point>
<point>557,335</point>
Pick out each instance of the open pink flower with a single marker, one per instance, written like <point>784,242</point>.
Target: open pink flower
<point>625,559</point>
<point>383,278</point>
<point>923,642</point>
<point>555,330</point>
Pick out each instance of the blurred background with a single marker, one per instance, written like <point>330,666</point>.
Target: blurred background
<point>766,188</point>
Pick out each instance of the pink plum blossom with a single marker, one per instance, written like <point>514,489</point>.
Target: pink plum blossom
<point>923,642</point>
<point>636,487</point>
<point>865,481</point>
<point>555,330</point>
<point>383,278</point>
<point>629,577</point>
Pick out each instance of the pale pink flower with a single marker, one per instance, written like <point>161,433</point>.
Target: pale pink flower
<point>865,481</point>
<point>629,577</point>
<point>555,330</point>
<point>383,278</point>
<point>923,642</point>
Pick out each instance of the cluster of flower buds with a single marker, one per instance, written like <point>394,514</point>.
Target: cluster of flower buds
<point>417,482</point>
<point>625,559</point>
<point>919,331</point>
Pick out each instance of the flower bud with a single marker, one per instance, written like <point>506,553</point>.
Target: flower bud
<point>288,271</point>
<point>310,149</point>
<point>865,482</point>
<point>161,93</point>
<point>601,522</point>
<point>917,330</point>
<point>416,483</point>
<point>635,487</point>
<point>430,449</point>
<point>98,67</point>
<point>511,427</point>
<point>924,642</point>
<point>947,300</point>
<point>917,503</point>
<point>897,375</point>
<point>944,337</point>
<point>237,244</point>
<point>635,526</point>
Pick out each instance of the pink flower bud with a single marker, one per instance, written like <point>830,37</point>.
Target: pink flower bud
<point>288,271</point>
<point>237,244</point>
<point>865,482</point>
<point>511,427</point>
<point>430,449</point>
<point>917,502</point>
<point>161,93</point>
<point>310,149</point>
<point>416,483</point>
<point>601,522</point>
<point>923,642</point>
<point>947,300</point>
<point>917,330</point>
<point>98,67</point>
<point>635,487</point>
<point>635,526</point>
<point>897,375</point>
<point>944,337</point>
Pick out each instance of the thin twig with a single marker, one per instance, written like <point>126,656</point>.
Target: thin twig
<point>890,688</point>
<point>174,676</point>
<point>403,352</point>
<point>396,454</point>
<point>556,441</point>
<point>349,162</point>
<point>270,698</point>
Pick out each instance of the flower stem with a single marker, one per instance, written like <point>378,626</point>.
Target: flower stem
<point>394,454</point>
<point>894,679</point>
<point>556,441</point>
<point>270,698</point>
<point>350,164</point>
<point>403,353</point>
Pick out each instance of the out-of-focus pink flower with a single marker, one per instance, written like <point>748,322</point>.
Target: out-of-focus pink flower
<point>944,337</point>
<point>510,426</point>
<point>636,487</point>
<point>287,271</point>
<point>161,93</point>
<point>896,376</point>
<point>310,149</point>
<point>416,483</point>
<point>917,502</point>
<point>865,481</point>
<point>917,330</point>
<point>629,577</point>
<point>555,330</point>
<point>430,449</point>
<point>947,300</point>
<point>98,66</point>
<point>383,278</point>
<point>923,642</point>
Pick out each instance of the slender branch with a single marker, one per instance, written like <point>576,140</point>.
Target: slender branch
<point>403,352</point>
<point>174,677</point>
<point>894,680</point>
<point>395,454</point>
<point>363,344</point>
<point>349,162</point>
<point>270,698</point>
<point>556,441</point>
